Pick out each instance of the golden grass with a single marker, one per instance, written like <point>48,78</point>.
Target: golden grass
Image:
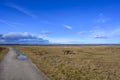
<point>88,62</point>
<point>3,52</point>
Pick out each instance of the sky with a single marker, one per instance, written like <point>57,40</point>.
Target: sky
<point>60,21</point>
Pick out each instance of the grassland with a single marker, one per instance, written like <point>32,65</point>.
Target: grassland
<point>88,62</point>
<point>3,52</point>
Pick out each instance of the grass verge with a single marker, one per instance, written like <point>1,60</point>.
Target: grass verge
<point>3,52</point>
<point>87,62</point>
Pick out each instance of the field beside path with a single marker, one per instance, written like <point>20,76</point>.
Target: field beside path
<point>3,52</point>
<point>76,62</point>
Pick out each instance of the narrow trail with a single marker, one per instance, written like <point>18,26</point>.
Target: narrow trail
<point>13,69</point>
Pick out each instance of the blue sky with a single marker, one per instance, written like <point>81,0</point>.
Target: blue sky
<point>60,21</point>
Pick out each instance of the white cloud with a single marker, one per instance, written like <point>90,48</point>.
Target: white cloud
<point>15,34</point>
<point>23,10</point>
<point>68,27</point>
<point>21,37</point>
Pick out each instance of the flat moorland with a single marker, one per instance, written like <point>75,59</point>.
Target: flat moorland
<point>76,62</point>
<point>3,52</point>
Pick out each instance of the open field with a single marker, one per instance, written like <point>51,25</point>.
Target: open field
<point>3,52</point>
<point>85,62</point>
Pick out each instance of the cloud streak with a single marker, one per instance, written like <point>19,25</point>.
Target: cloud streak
<point>86,32</point>
<point>100,37</point>
<point>45,32</point>
<point>101,33</point>
<point>21,9</point>
<point>5,22</point>
<point>68,27</point>
<point>28,13</point>
<point>102,18</point>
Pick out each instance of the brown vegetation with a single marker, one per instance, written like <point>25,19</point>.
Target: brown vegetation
<point>3,52</point>
<point>88,62</point>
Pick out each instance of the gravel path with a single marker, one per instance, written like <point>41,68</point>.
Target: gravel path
<point>13,69</point>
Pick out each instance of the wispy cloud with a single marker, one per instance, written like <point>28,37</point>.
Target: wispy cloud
<point>68,27</point>
<point>105,34</point>
<point>16,23</point>
<point>100,37</point>
<point>115,32</point>
<point>102,18</point>
<point>99,34</point>
<point>83,32</point>
<point>96,34</point>
<point>21,9</point>
<point>6,22</point>
<point>45,32</point>
<point>64,41</point>
<point>28,13</point>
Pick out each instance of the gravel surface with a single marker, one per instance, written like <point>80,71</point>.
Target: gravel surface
<point>13,69</point>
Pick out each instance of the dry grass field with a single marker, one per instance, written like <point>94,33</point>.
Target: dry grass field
<point>3,52</point>
<point>86,62</point>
